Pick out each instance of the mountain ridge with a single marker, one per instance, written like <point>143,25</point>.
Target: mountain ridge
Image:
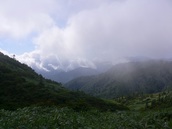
<point>21,86</point>
<point>64,76</point>
<point>128,78</point>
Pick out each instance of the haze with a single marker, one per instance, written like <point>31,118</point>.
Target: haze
<point>65,34</point>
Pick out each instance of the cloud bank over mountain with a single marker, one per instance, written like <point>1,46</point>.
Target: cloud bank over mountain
<point>68,33</point>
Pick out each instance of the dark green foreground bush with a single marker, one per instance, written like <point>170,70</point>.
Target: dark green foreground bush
<point>64,118</point>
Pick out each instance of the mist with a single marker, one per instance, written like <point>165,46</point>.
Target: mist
<point>106,31</point>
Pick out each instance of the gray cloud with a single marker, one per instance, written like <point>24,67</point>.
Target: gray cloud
<point>102,30</point>
<point>130,28</point>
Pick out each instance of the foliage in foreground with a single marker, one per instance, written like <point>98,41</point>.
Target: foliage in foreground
<point>64,118</point>
<point>21,87</point>
<point>155,101</point>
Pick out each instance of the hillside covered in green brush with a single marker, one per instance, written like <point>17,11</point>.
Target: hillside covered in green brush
<point>20,86</point>
<point>127,79</point>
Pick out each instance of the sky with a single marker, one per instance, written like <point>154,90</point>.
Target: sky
<point>65,34</point>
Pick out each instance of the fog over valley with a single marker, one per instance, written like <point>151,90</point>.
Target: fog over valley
<point>95,64</point>
<point>64,35</point>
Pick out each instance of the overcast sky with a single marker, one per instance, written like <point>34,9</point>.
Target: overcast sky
<point>64,34</point>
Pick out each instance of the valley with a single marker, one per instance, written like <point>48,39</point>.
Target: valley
<point>28,96</point>
<point>85,64</point>
<point>126,79</point>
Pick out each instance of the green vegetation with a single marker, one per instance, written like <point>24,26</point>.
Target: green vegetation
<point>127,79</point>
<point>21,86</point>
<point>64,118</point>
<point>28,100</point>
<point>161,100</point>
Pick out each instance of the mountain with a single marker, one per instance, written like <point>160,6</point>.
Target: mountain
<point>21,86</point>
<point>127,79</point>
<point>65,76</point>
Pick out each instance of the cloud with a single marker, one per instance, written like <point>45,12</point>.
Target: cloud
<point>107,30</point>
<point>129,28</point>
<point>21,18</point>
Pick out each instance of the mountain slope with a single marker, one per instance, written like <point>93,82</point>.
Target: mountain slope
<point>127,79</point>
<point>21,86</point>
<point>65,76</point>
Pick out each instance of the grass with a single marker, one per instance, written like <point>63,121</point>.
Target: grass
<point>64,118</point>
<point>149,101</point>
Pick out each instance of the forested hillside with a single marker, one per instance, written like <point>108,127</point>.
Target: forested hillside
<point>127,79</point>
<point>20,86</point>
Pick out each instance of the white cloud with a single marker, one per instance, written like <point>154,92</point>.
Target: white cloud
<point>92,30</point>
<point>21,18</point>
